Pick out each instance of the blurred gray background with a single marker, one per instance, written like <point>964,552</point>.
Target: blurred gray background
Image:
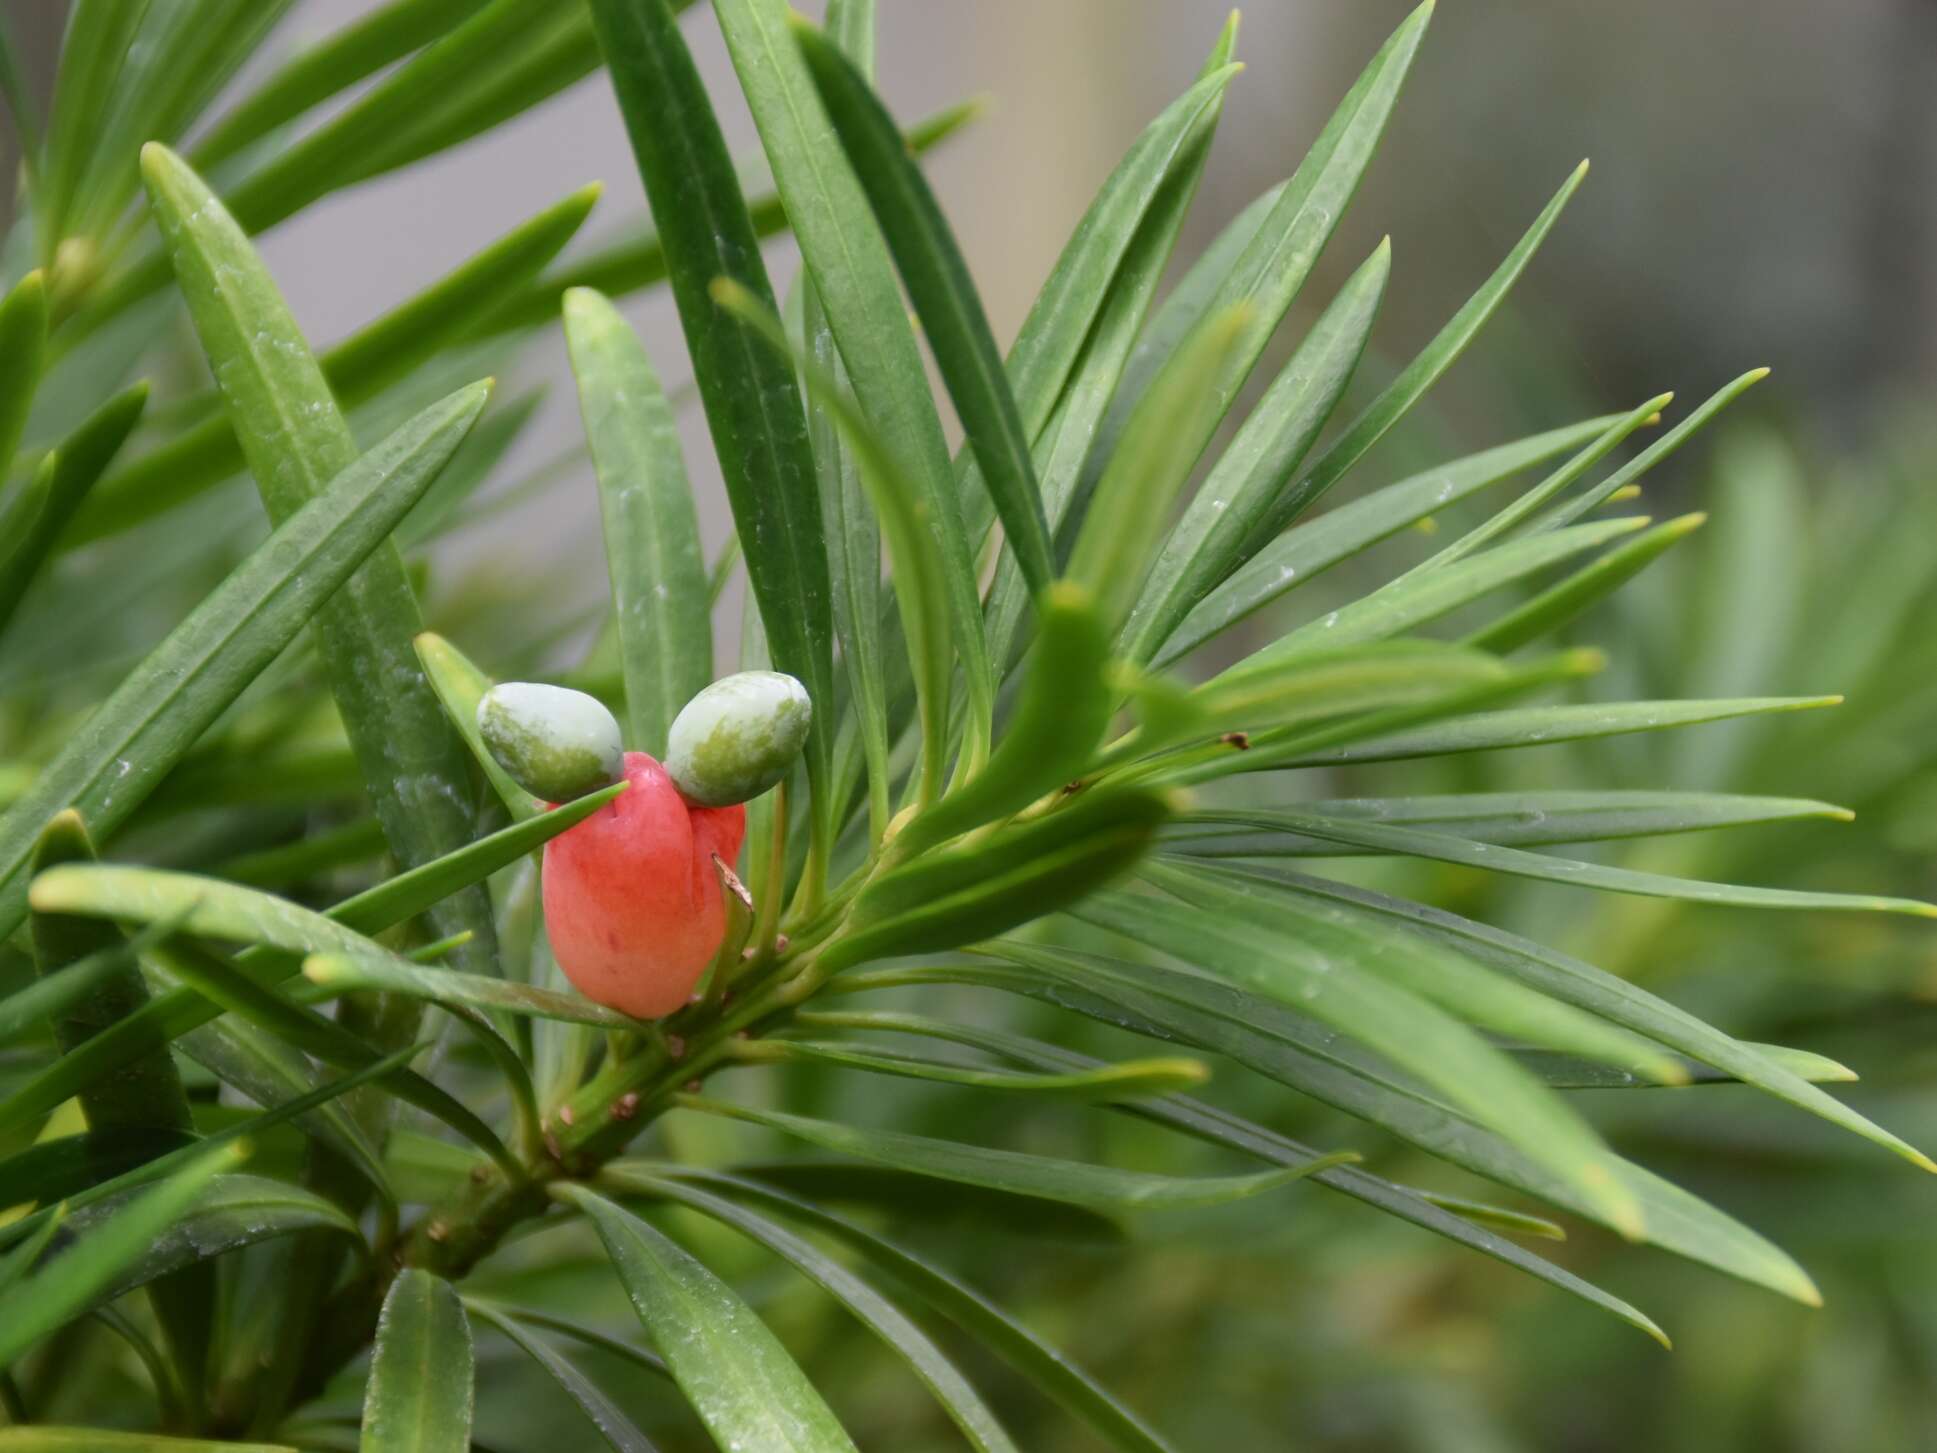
<point>1764,185</point>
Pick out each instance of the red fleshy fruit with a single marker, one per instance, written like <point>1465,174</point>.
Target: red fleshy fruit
<point>632,901</point>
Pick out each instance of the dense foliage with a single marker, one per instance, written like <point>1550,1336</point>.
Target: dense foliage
<point>300,1120</point>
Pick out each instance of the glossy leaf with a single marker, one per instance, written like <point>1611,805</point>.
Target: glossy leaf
<point>1446,848</point>
<point>1129,1079</point>
<point>89,1269</point>
<point>1006,1336</point>
<point>422,1379</point>
<point>752,404</point>
<point>1233,938</point>
<point>1561,602</point>
<point>357,369</point>
<point>1539,726</point>
<point>1246,495</point>
<point>341,973</point>
<point>1063,711</point>
<point>952,1390</point>
<point>854,286</point>
<point>944,297</point>
<point>652,547</point>
<point>78,463</point>
<point>388,903</point>
<point>734,1372</point>
<point>166,702</point>
<point>294,439</point>
<point>612,1424</point>
<point>460,686</point>
<point>23,349</point>
<point>1098,1187</point>
<point>1310,549</point>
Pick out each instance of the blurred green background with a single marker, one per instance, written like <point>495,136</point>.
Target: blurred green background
<point>1764,191</point>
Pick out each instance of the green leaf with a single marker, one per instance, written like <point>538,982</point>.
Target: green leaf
<point>638,260</point>
<point>1076,1183</point>
<point>1448,979</point>
<point>1245,497</point>
<point>944,297</point>
<point>1310,549</point>
<point>295,438</point>
<point>388,903</point>
<point>965,894</point>
<point>340,973</point>
<point>919,572</point>
<point>223,910</point>
<point>1406,603</point>
<point>176,62</point>
<point>26,1011</point>
<point>1515,818</point>
<point>1128,1079</point>
<point>853,563</point>
<point>1540,726</point>
<point>89,1270</point>
<point>94,48</point>
<point>1570,1072</point>
<point>1063,710</point>
<point>854,285</point>
<point>1044,1366</point>
<point>49,1171</point>
<point>226,1214</point>
<point>1398,397</point>
<point>1277,258</point>
<point>23,351</point>
<point>131,742</point>
<point>1171,1005</point>
<point>357,370</point>
<point>739,1379</point>
<point>652,549</point>
<point>460,686</point>
<point>952,1390</point>
<point>1232,936</point>
<point>1524,506</point>
<point>1562,602</point>
<point>752,403</point>
<point>1614,999</point>
<point>422,1383</point>
<point>612,1424</point>
<point>145,1093</point>
<point>1425,1209</point>
<point>1153,460</point>
<point>304,1029</point>
<point>346,1138</point>
<point>327,68</point>
<point>44,1439</point>
<point>1445,848</point>
<point>1566,512</point>
<point>1096,302</point>
<point>77,463</point>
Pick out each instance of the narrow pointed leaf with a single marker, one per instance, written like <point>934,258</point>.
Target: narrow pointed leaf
<point>944,297</point>
<point>422,1378</point>
<point>652,547</point>
<point>1246,497</point>
<point>733,1370</point>
<point>388,903</point>
<point>341,973</point>
<point>952,1390</point>
<point>1562,602</point>
<point>23,349</point>
<point>612,1424</point>
<point>295,438</point>
<point>164,704</point>
<point>1077,1183</point>
<point>1309,550</point>
<point>1443,847</point>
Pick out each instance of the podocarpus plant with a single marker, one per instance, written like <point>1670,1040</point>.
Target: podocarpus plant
<point>1028,787</point>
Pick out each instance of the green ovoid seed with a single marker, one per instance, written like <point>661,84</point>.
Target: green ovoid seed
<point>738,737</point>
<point>555,743</point>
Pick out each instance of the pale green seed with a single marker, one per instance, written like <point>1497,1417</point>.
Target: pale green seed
<point>555,743</point>
<point>738,737</point>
